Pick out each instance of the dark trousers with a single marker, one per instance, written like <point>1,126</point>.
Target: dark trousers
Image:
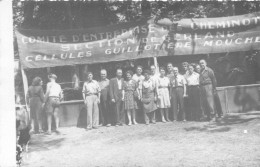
<point>151,115</point>
<point>177,103</point>
<point>105,112</point>
<point>218,105</point>
<point>207,98</point>
<point>119,113</point>
<point>194,108</point>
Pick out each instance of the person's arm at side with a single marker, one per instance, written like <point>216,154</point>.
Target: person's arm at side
<point>47,92</point>
<point>184,87</point>
<point>213,80</point>
<point>83,93</point>
<point>170,90</point>
<point>99,92</point>
<point>140,87</point>
<point>61,94</point>
<point>28,97</point>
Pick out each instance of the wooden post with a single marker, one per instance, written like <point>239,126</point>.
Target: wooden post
<point>156,64</point>
<point>25,86</point>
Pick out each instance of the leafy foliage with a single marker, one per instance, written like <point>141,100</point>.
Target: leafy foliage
<point>84,14</point>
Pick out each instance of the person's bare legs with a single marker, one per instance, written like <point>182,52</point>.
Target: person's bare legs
<point>129,117</point>
<point>167,114</point>
<point>56,117</point>
<point>134,121</point>
<point>49,120</point>
<point>39,120</point>
<point>32,126</point>
<point>162,114</point>
<point>40,125</point>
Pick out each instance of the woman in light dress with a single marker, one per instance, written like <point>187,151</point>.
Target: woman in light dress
<point>130,88</point>
<point>163,95</point>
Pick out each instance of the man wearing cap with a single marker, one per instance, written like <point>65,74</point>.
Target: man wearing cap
<point>53,96</point>
<point>208,85</point>
<point>91,96</point>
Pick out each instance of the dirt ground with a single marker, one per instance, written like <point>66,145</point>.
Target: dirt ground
<point>232,141</point>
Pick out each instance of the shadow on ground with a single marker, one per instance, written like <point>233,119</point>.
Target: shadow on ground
<point>225,124</point>
<point>44,145</point>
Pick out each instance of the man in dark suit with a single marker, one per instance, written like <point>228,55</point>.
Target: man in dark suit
<point>117,97</point>
<point>105,113</point>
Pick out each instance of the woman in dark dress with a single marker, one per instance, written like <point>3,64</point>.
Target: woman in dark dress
<point>130,89</point>
<point>149,98</point>
<point>35,99</point>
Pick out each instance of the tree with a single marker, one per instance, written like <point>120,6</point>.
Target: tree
<point>84,14</point>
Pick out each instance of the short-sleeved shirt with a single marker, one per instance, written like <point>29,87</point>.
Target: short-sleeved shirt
<point>91,87</point>
<point>138,80</point>
<point>192,79</point>
<point>181,81</point>
<point>54,89</point>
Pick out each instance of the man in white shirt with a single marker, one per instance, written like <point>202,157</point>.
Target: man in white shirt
<point>91,96</point>
<point>193,91</point>
<point>138,78</point>
<point>53,96</point>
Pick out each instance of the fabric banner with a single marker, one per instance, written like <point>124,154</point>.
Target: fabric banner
<point>140,39</point>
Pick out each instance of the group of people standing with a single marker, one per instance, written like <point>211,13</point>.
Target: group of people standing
<point>39,101</point>
<point>189,96</point>
<point>185,96</point>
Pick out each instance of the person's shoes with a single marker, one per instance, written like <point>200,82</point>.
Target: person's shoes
<point>41,131</point>
<point>56,131</point>
<point>32,132</point>
<point>163,121</point>
<point>129,124</point>
<point>108,125</point>
<point>48,133</point>
<point>135,123</point>
<point>87,129</point>
<point>184,120</point>
<point>116,125</point>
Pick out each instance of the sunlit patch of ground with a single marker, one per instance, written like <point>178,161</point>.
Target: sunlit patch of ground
<point>232,141</point>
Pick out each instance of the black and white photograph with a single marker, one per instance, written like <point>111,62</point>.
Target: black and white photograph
<point>129,83</point>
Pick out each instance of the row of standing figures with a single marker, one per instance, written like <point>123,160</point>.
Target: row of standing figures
<point>188,96</point>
